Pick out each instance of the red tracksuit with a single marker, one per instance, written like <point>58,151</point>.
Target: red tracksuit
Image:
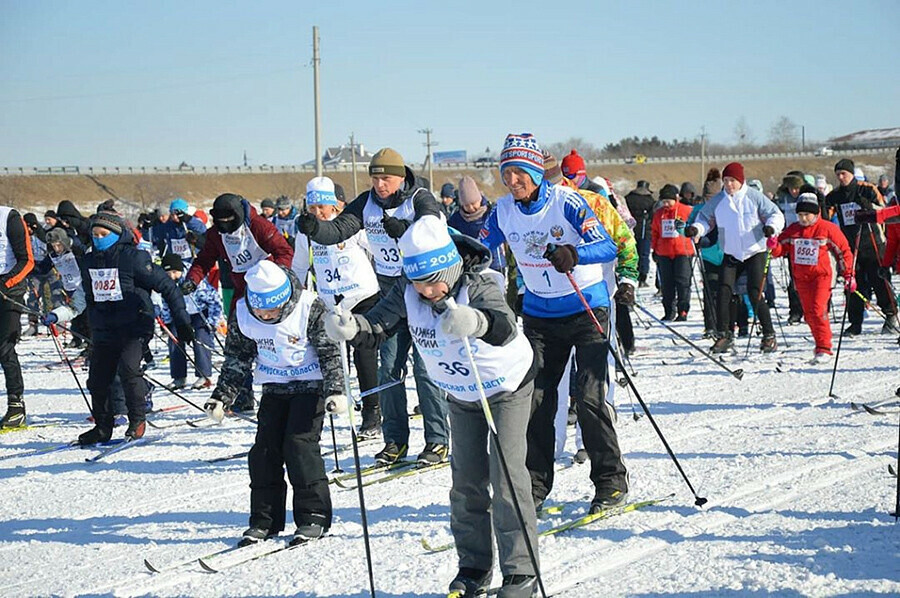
<point>807,248</point>
<point>892,249</point>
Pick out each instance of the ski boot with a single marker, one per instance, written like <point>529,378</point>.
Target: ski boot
<point>607,498</point>
<point>470,583</point>
<point>15,414</point>
<point>768,344</point>
<point>433,454</point>
<point>254,535</point>
<point>723,344</point>
<point>891,326</point>
<point>371,420</point>
<point>307,532</point>
<point>136,429</point>
<point>390,454</point>
<point>518,586</point>
<point>96,435</point>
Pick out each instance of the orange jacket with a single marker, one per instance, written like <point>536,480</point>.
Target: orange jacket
<point>672,243</point>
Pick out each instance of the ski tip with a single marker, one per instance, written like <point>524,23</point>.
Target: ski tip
<point>150,566</point>
<point>739,374</point>
<point>205,566</point>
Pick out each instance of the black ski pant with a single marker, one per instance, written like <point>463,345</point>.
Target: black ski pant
<point>867,280</point>
<point>553,339</point>
<point>711,273</point>
<point>10,332</point>
<point>624,327</point>
<point>109,356</point>
<point>675,279</point>
<point>795,308</point>
<point>366,359</point>
<point>288,434</point>
<point>755,266</point>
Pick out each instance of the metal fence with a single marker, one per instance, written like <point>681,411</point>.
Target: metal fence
<point>307,169</point>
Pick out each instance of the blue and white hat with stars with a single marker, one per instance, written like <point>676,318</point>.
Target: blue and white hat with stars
<point>524,152</point>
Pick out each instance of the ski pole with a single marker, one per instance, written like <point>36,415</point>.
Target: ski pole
<point>29,310</point>
<point>345,367</point>
<point>699,500</point>
<point>489,417</point>
<point>887,284</point>
<point>710,300</point>
<point>182,348</point>
<point>737,373</point>
<point>177,394</point>
<point>337,465</point>
<point>896,512</point>
<point>847,296</point>
<point>62,353</point>
<point>778,319</point>
<point>759,296</point>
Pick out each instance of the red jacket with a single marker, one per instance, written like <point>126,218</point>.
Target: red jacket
<point>892,249</point>
<point>672,246</point>
<point>826,237</point>
<point>266,235</point>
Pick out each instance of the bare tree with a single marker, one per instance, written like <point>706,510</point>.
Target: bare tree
<point>585,148</point>
<point>743,136</point>
<point>784,135</point>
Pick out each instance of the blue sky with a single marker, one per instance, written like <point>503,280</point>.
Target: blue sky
<point>124,83</point>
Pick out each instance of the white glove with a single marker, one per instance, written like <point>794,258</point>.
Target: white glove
<point>336,404</point>
<point>464,321</point>
<point>215,410</point>
<point>341,328</point>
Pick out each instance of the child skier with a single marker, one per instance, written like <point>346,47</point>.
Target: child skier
<point>673,253</point>
<point>343,269</point>
<point>279,325</point>
<point>436,267</point>
<point>808,243</point>
<point>205,309</point>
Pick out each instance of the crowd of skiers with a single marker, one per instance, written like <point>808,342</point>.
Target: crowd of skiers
<point>508,310</point>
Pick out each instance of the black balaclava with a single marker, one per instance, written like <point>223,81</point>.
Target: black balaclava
<point>228,212</point>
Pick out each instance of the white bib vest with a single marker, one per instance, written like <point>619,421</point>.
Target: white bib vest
<point>528,236</point>
<point>344,269</point>
<point>38,249</point>
<point>7,257</point>
<point>285,226</point>
<point>502,369</point>
<point>67,267</point>
<point>388,260</point>
<point>242,249</point>
<point>182,248</point>
<point>283,353</point>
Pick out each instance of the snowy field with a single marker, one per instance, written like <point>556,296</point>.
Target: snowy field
<point>797,484</point>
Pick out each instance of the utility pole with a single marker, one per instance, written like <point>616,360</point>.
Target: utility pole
<point>702,154</point>
<point>429,144</point>
<point>353,158</point>
<point>245,158</point>
<point>316,61</point>
<point>802,138</point>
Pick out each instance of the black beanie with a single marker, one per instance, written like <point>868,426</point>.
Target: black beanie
<point>66,209</point>
<point>230,206</point>
<point>339,193</point>
<point>808,203</point>
<point>30,219</point>
<point>172,261</point>
<point>668,191</point>
<point>845,164</point>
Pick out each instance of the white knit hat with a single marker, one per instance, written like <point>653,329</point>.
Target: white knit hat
<point>320,192</point>
<point>267,285</point>
<point>428,249</point>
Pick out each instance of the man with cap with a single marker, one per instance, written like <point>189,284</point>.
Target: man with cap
<point>285,215</point>
<point>385,211</point>
<point>204,308</point>
<point>240,238</point>
<point>16,262</point>
<point>344,273</point>
<point>448,199</point>
<point>267,208</point>
<point>172,236</point>
<point>743,218</point>
<point>808,245</point>
<point>469,218</point>
<point>118,279</point>
<point>640,202</point>
<point>280,326</point>
<point>554,235</point>
<point>437,267</point>
<point>867,242</point>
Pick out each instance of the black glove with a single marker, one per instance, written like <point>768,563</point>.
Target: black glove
<point>307,224</point>
<point>188,287</point>
<point>185,334</point>
<point>866,216</point>
<point>625,294</point>
<point>563,257</point>
<point>883,272</point>
<point>394,227</point>
<point>518,306</point>
<point>768,231</point>
<point>691,231</point>
<point>182,217</point>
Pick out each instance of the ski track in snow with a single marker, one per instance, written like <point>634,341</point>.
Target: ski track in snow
<point>797,486</point>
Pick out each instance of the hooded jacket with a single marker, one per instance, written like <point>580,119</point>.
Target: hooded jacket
<point>266,235</point>
<point>674,246</point>
<point>640,204</point>
<point>829,240</point>
<point>843,201</point>
<point>78,225</point>
<point>13,283</point>
<point>131,316</point>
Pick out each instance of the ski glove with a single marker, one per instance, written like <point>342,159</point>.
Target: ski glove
<point>690,231</point>
<point>341,328</point>
<point>768,231</point>
<point>307,224</point>
<point>883,272</point>
<point>52,318</point>
<point>866,216</point>
<point>850,284</point>
<point>772,242</point>
<point>215,410</point>
<point>624,294</point>
<point>336,404</point>
<point>394,227</point>
<point>563,257</point>
<point>464,321</point>
<point>185,334</point>
<point>188,287</point>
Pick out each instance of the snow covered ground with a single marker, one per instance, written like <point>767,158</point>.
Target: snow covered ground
<point>798,492</point>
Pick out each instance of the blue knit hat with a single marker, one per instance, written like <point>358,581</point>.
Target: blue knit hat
<point>178,205</point>
<point>523,152</point>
